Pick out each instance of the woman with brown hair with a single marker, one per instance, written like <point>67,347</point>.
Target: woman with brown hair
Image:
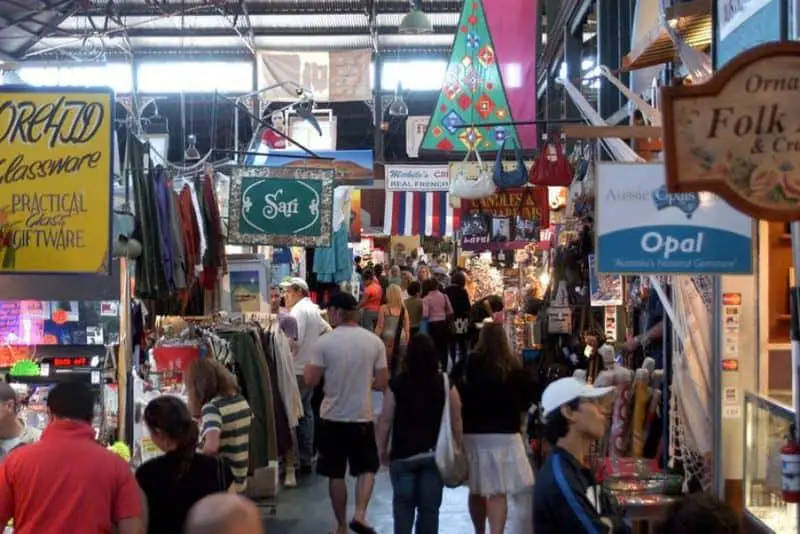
<point>498,462</point>
<point>179,478</point>
<point>225,416</point>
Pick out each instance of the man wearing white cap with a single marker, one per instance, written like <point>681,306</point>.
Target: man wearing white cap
<point>310,326</point>
<point>567,498</point>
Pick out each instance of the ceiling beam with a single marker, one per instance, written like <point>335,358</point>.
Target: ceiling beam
<point>278,7</point>
<point>257,32</point>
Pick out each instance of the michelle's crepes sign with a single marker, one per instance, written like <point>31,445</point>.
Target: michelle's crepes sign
<point>55,180</point>
<point>738,135</point>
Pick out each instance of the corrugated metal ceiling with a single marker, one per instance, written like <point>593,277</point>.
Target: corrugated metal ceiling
<point>276,24</point>
<point>23,22</point>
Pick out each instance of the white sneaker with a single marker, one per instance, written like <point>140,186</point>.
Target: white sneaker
<point>290,481</point>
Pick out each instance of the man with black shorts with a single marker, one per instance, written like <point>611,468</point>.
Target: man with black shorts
<point>353,362</point>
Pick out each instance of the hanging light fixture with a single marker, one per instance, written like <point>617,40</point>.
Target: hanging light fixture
<point>416,22</point>
<point>191,153</point>
<point>398,106</point>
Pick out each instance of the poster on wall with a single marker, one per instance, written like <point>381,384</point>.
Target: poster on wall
<point>503,220</point>
<point>415,131</point>
<point>56,175</point>
<point>641,228</point>
<point>354,231</point>
<point>281,206</point>
<point>335,76</point>
<point>604,289</point>
<point>352,167</point>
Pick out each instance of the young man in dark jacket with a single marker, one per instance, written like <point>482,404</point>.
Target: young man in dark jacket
<point>567,499</point>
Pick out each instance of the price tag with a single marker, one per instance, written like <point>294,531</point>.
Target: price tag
<point>95,377</point>
<point>44,369</point>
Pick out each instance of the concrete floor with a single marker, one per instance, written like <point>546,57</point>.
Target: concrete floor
<point>306,509</point>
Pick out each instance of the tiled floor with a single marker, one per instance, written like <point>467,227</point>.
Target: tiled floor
<point>306,509</point>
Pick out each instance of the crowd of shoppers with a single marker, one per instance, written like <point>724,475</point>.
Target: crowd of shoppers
<point>419,341</point>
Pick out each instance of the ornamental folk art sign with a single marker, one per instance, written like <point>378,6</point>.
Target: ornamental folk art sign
<point>286,206</point>
<point>738,135</point>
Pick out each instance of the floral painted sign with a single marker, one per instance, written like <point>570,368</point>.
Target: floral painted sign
<point>738,135</point>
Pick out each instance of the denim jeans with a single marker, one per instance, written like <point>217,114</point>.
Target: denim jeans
<point>305,426</point>
<point>417,488</point>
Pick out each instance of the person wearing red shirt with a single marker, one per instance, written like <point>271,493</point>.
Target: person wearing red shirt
<point>67,482</point>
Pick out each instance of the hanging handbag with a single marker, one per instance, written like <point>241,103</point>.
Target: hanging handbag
<point>549,170</point>
<point>515,178</point>
<point>450,459</point>
<point>463,187</point>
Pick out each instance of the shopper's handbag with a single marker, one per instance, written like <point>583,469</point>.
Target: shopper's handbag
<point>463,187</point>
<point>510,179</point>
<point>551,168</point>
<point>450,460</point>
<point>559,314</point>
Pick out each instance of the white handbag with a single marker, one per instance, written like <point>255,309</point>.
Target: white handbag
<point>450,460</point>
<point>463,187</point>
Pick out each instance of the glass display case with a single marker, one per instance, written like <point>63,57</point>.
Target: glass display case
<point>767,424</point>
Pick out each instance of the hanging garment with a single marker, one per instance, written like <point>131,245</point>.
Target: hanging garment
<point>285,377</point>
<point>283,433</point>
<point>190,234</point>
<point>214,258</point>
<point>334,264</point>
<point>161,180</point>
<point>151,282</point>
<point>254,382</point>
<point>176,239</point>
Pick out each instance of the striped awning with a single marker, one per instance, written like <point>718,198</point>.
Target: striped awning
<point>420,213</point>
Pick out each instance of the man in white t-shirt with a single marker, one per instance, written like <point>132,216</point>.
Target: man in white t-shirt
<point>13,433</point>
<point>353,362</point>
<point>310,325</point>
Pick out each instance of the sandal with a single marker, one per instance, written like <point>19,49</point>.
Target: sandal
<point>361,528</point>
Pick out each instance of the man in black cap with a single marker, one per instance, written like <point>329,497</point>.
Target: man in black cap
<point>353,362</point>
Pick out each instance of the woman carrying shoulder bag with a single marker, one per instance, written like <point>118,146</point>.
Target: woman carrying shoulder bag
<point>393,326</point>
<point>412,413</point>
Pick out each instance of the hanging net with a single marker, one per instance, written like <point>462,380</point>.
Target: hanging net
<point>690,417</point>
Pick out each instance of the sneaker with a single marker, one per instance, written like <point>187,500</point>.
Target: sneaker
<point>290,481</point>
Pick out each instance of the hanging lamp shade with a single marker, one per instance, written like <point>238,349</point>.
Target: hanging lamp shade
<point>416,22</point>
<point>191,153</point>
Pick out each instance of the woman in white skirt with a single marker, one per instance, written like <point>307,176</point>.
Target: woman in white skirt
<point>495,393</point>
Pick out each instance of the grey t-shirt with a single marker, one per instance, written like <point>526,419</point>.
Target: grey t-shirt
<point>350,356</point>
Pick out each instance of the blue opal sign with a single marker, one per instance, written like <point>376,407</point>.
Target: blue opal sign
<point>641,228</point>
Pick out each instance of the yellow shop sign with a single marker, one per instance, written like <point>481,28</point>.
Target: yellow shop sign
<point>55,180</point>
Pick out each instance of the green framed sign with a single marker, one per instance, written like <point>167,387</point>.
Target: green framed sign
<point>287,206</point>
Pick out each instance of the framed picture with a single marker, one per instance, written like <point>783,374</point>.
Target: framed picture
<point>286,206</point>
<point>247,285</point>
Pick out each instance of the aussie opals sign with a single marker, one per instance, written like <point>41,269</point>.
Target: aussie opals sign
<point>641,228</point>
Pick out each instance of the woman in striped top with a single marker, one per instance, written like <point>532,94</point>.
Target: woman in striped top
<point>225,416</point>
